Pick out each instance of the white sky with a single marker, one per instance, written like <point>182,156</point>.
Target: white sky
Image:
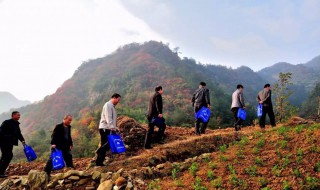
<point>42,42</point>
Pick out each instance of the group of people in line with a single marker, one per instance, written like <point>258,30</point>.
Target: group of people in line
<point>61,138</point>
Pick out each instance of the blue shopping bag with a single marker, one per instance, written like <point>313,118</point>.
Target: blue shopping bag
<point>29,152</point>
<point>116,143</point>
<point>57,159</point>
<point>242,114</point>
<point>203,114</point>
<point>259,110</point>
<point>158,121</point>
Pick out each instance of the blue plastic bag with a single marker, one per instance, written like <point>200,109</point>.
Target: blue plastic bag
<point>29,152</point>
<point>203,114</point>
<point>57,159</point>
<point>116,143</point>
<point>242,114</point>
<point>259,110</point>
<point>158,121</point>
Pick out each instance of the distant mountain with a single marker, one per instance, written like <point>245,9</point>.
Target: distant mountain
<point>134,70</point>
<point>314,64</point>
<point>8,101</point>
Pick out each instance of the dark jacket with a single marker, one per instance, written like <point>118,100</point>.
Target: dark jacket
<point>58,137</point>
<point>10,132</point>
<point>155,105</point>
<point>201,97</point>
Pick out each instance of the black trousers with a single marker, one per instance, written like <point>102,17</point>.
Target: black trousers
<point>102,150</point>
<point>151,125</point>
<point>6,157</point>
<point>237,120</point>
<point>267,110</point>
<point>200,129</point>
<point>67,157</point>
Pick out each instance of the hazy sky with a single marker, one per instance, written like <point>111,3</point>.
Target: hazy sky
<point>42,42</point>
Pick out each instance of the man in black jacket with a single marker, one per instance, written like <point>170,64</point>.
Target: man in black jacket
<point>155,117</point>
<point>200,98</point>
<point>61,139</point>
<point>10,133</point>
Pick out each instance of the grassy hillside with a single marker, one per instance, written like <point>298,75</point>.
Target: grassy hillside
<point>285,157</point>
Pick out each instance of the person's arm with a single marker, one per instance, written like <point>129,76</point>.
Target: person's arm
<point>70,138</point>
<point>207,97</point>
<point>54,137</point>
<point>241,99</point>
<point>158,104</point>
<point>109,117</point>
<point>193,99</point>
<point>20,137</point>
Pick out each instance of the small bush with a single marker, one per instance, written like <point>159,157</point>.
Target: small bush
<point>217,183</point>
<point>193,168</point>
<point>197,185</point>
<point>261,143</point>
<point>312,183</point>
<point>212,165</point>
<point>252,170</point>
<point>286,186</point>
<point>263,181</point>
<point>154,185</point>
<point>316,168</point>
<point>256,150</point>
<point>210,175</point>
<point>276,171</point>
<point>223,148</point>
<point>258,161</point>
<point>296,172</point>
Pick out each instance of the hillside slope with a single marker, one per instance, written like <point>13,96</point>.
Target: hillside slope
<point>284,157</point>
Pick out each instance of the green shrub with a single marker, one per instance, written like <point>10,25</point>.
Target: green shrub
<point>217,183</point>
<point>154,185</point>
<point>263,181</point>
<point>212,165</point>
<point>197,185</point>
<point>261,143</point>
<point>210,175</point>
<point>286,186</point>
<point>193,168</point>
<point>312,183</point>
<point>223,148</point>
<point>252,170</point>
<point>316,168</point>
<point>276,171</point>
<point>256,150</point>
<point>258,161</point>
<point>296,172</point>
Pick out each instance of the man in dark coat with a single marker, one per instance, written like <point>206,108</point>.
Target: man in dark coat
<point>200,98</point>
<point>155,117</point>
<point>61,139</point>
<point>10,133</point>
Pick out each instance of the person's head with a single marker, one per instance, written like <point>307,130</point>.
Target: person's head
<point>67,119</point>
<point>202,84</point>
<point>115,98</point>
<point>158,89</point>
<point>267,87</point>
<point>240,87</point>
<point>15,115</point>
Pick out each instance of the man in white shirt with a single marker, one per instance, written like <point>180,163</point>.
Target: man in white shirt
<point>107,125</point>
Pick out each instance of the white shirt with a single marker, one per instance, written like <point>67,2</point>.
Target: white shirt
<point>108,116</point>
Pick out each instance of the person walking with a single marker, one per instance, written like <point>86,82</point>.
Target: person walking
<point>237,102</point>
<point>155,118</point>
<point>61,139</point>
<point>200,98</point>
<point>10,133</point>
<point>107,125</point>
<point>264,98</point>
